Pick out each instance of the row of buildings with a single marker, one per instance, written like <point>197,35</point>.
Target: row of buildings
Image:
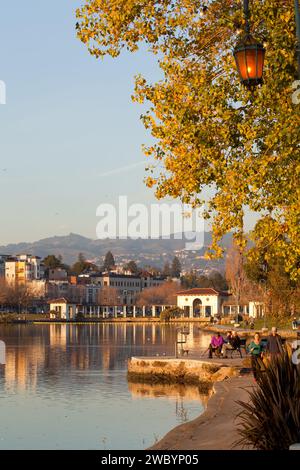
<point>89,289</point>
<point>110,293</point>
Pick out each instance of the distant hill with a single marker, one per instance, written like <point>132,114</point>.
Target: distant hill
<point>71,245</point>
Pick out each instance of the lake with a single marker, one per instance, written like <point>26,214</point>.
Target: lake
<point>65,386</point>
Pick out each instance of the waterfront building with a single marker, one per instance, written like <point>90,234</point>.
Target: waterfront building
<point>209,302</point>
<point>201,302</point>
<point>62,309</point>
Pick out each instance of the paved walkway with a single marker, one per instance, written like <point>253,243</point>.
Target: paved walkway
<point>216,428</point>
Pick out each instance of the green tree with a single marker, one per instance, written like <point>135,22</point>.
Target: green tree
<point>52,262</point>
<point>109,261</point>
<point>279,292</point>
<point>209,130</point>
<point>176,267</point>
<point>218,281</point>
<point>82,265</point>
<point>132,267</point>
<point>167,269</point>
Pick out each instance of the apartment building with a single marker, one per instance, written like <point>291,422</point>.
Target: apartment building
<point>3,259</point>
<point>23,268</point>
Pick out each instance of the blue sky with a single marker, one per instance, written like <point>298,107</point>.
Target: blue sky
<point>67,123</point>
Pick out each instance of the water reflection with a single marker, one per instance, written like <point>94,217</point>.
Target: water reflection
<point>64,386</point>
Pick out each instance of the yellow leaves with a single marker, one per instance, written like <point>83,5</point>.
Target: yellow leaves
<point>209,130</point>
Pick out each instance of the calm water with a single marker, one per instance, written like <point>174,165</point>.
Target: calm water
<point>65,387</point>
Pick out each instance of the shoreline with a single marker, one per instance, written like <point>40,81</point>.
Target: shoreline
<point>215,428</point>
<point>205,328</point>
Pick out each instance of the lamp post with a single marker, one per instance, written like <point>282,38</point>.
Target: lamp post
<point>249,55</point>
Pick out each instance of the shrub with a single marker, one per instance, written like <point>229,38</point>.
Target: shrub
<point>271,419</point>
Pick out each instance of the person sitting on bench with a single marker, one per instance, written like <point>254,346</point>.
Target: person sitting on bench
<point>233,344</point>
<point>216,344</point>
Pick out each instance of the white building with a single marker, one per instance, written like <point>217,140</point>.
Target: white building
<point>62,309</point>
<point>201,302</point>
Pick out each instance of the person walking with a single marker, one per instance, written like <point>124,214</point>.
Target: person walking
<point>274,344</point>
<point>255,348</point>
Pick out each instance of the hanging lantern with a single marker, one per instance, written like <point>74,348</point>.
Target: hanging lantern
<point>249,57</point>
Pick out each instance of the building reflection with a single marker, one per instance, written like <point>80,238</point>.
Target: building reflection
<point>35,353</point>
<point>179,394</point>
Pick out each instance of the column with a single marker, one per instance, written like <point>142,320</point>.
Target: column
<point>134,311</point>
<point>144,311</point>
<point>153,311</point>
<point>124,311</point>
<point>115,311</point>
<point>192,311</point>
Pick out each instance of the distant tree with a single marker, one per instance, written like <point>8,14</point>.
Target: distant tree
<point>165,294</point>
<point>109,296</point>
<point>214,280</point>
<point>171,312</point>
<point>3,292</point>
<point>19,296</point>
<point>82,265</point>
<point>154,270</point>
<point>81,258</point>
<point>167,269</point>
<point>218,281</point>
<point>176,267</point>
<point>109,261</point>
<point>132,267</point>
<point>279,292</point>
<point>52,262</point>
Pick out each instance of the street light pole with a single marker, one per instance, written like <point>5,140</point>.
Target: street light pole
<point>247,16</point>
<point>297,16</point>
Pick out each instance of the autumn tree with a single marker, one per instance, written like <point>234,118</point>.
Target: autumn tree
<point>109,296</point>
<point>3,292</point>
<point>165,294</point>
<point>280,293</point>
<point>19,296</point>
<point>210,131</point>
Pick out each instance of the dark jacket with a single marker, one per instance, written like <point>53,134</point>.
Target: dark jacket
<point>235,342</point>
<point>274,344</point>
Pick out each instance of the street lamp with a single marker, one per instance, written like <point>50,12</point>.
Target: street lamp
<point>249,55</point>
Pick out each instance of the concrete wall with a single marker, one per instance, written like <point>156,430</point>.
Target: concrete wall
<point>178,370</point>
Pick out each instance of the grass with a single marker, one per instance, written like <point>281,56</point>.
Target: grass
<point>283,324</point>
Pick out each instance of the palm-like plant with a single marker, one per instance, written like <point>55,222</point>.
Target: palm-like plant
<point>271,419</point>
